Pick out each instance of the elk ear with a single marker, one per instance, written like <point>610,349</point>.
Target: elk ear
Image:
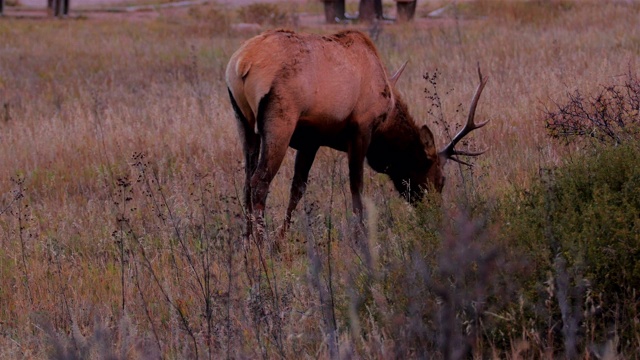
<point>426,136</point>
<point>394,79</point>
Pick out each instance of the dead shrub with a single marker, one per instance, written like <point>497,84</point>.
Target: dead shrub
<point>610,116</point>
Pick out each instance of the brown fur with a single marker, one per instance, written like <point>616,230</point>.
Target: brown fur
<point>307,91</point>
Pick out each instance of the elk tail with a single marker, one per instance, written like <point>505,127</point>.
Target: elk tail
<point>262,109</point>
<point>243,122</point>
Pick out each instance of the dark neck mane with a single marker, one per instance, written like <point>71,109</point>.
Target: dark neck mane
<point>396,148</point>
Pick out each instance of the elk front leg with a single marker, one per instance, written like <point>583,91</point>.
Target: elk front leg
<point>356,152</point>
<point>304,160</point>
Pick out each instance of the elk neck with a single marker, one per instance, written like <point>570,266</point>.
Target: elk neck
<point>396,148</point>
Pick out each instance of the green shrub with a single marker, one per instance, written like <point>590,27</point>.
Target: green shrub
<point>587,212</point>
<point>217,20</point>
<point>524,12</point>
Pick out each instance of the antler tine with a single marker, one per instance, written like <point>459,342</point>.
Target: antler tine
<point>474,102</point>
<point>394,79</point>
<point>449,151</point>
<point>461,162</point>
<point>465,153</point>
<point>468,153</point>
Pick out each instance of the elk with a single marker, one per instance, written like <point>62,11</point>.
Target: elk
<point>305,91</point>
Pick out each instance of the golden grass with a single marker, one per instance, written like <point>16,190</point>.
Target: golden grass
<point>82,97</point>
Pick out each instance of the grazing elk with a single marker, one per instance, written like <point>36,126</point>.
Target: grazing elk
<point>306,91</point>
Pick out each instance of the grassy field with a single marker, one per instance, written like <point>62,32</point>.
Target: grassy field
<point>121,172</point>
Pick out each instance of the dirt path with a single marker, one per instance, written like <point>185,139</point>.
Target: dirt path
<point>133,10</point>
<point>246,2</point>
<point>86,4</point>
<point>146,10</point>
<point>76,3</point>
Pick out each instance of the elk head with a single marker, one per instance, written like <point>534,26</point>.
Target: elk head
<point>431,173</point>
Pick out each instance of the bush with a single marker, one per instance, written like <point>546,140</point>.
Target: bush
<point>611,116</point>
<point>212,15</point>
<point>263,14</point>
<point>524,12</point>
<point>588,213</point>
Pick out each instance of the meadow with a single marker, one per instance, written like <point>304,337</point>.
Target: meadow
<point>121,177</point>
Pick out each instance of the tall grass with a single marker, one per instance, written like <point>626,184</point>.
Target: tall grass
<point>121,176</point>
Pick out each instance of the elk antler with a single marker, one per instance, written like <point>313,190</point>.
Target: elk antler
<point>397,74</point>
<point>449,151</point>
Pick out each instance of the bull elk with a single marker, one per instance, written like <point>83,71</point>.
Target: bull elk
<point>304,91</point>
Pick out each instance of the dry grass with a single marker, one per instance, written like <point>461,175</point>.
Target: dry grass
<point>121,169</point>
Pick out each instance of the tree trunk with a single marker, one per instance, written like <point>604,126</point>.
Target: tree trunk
<point>406,10</point>
<point>370,10</point>
<point>54,6</point>
<point>58,8</point>
<point>333,10</point>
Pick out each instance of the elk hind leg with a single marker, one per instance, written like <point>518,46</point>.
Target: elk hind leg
<point>251,153</point>
<point>276,126</point>
<point>251,148</point>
